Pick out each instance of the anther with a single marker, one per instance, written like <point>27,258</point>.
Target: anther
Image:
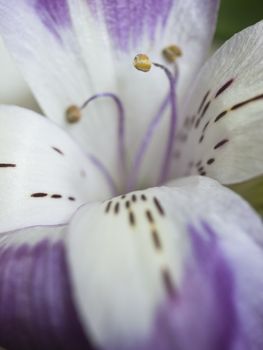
<point>171,53</point>
<point>142,62</point>
<point>73,114</point>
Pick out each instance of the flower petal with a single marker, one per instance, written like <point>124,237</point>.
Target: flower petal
<point>70,50</point>
<point>44,176</point>
<point>37,311</point>
<point>224,139</point>
<point>162,254</point>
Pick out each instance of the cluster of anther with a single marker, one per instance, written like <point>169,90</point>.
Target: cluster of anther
<point>143,63</point>
<point>137,203</point>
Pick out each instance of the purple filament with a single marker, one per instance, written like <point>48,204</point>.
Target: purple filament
<point>145,143</point>
<point>152,127</point>
<point>165,168</point>
<point>105,173</point>
<point>121,122</point>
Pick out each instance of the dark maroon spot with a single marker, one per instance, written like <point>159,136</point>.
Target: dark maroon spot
<point>168,283</point>
<point>7,165</point>
<point>56,196</point>
<point>224,87</point>
<point>156,240</point>
<point>127,204</point>
<point>221,143</point>
<point>131,218</point>
<point>38,194</point>
<point>143,197</point>
<point>158,206</point>
<point>220,116</point>
<point>203,101</point>
<point>58,150</point>
<point>197,123</point>
<point>134,198</point>
<point>205,109</point>
<point>200,169</point>
<point>203,173</point>
<point>107,209</point>
<point>204,128</point>
<point>201,138</point>
<point>116,208</point>
<point>149,216</point>
<point>123,196</point>
<point>71,198</point>
<point>210,161</point>
<point>241,104</point>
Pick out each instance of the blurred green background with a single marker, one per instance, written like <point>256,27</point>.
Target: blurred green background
<point>235,15</point>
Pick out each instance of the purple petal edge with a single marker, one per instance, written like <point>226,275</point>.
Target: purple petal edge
<point>202,315</point>
<point>36,308</point>
<point>127,21</point>
<point>54,14</point>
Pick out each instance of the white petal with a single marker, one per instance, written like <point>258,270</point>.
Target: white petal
<point>225,140</point>
<point>44,176</point>
<point>70,50</point>
<point>127,255</point>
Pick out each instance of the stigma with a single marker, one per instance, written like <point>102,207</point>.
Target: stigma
<point>142,62</point>
<point>73,114</point>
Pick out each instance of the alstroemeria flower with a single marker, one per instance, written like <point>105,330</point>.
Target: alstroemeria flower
<point>92,256</point>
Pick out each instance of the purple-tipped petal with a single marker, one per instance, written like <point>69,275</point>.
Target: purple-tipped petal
<point>167,268</point>
<point>36,308</point>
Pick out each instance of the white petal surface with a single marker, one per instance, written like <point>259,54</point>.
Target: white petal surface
<point>127,255</point>
<point>44,176</point>
<point>70,50</point>
<point>224,139</point>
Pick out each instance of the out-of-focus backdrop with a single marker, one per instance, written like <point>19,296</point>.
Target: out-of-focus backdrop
<point>235,15</point>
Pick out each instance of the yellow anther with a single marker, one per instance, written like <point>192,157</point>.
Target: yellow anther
<point>142,62</point>
<point>73,114</point>
<point>171,53</point>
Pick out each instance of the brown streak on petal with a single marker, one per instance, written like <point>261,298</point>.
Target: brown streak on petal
<point>241,104</point>
<point>131,218</point>
<point>203,101</point>
<point>38,194</point>
<point>168,283</point>
<point>56,196</point>
<point>156,240</point>
<point>107,209</point>
<point>224,87</point>
<point>158,206</point>
<point>221,115</point>
<point>221,143</point>
<point>58,150</point>
<point>7,165</point>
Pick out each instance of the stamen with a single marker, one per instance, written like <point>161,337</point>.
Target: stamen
<point>142,149</point>
<point>73,114</point>
<point>169,148</point>
<point>171,53</point>
<point>142,62</point>
<point>121,124</point>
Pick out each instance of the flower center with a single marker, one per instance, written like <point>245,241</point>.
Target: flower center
<point>129,182</point>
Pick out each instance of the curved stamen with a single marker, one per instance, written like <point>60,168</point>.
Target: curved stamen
<point>105,173</point>
<point>121,124</point>
<point>145,143</point>
<point>139,63</point>
<point>169,147</point>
